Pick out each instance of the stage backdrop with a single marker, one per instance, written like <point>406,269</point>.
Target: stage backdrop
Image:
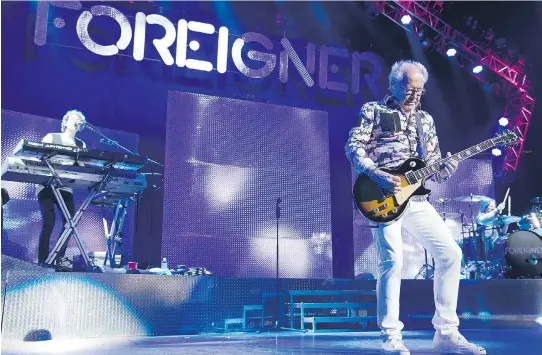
<point>21,215</point>
<point>127,94</point>
<point>230,166</point>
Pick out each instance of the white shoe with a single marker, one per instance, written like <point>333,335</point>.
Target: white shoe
<point>456,343</point>
<point>394,345</point>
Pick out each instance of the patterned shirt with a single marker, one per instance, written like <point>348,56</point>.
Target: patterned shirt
<point>386,137</point>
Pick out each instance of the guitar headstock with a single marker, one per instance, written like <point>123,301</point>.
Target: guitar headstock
<point>506,137</point>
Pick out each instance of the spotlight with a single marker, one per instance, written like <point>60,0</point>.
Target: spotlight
<point>539,321</point>
<point>451,52</point>
<point>503,121</point>
<point>496,152</point>
<point>405,20</point>
<point>477,69</point>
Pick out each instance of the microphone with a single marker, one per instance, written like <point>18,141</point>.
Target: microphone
<point>90,127</point>
<point>79,125</point>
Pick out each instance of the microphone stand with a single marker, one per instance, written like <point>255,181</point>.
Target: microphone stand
<point>106,140</point>
<point>278,311</point>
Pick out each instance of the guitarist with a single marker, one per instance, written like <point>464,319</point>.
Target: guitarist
<point>389,132</point>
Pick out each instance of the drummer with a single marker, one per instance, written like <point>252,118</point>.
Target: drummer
<point>488,220</point>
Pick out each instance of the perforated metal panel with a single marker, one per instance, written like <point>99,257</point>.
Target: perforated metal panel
<point>76,305</point>
<point>227,163</point>
<point>22,217</point>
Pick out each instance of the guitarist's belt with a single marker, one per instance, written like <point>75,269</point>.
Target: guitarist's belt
<point>419,198</point>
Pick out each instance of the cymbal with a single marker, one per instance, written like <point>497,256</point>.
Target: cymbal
<point>443,200</point>
<point>536,200</point>
<point>509,219</point>
<point>473,198</point>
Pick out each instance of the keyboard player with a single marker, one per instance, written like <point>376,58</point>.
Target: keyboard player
<point>73,122</point>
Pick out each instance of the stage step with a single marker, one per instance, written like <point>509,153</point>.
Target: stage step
<point>229,321</point>
<point>345,299</point>
<point>303,305</point>
<point>252,308</point>
<point>331,292</point>
<point>319,320</point>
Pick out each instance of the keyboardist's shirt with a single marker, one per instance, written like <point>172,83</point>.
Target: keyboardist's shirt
<point>59,138</point>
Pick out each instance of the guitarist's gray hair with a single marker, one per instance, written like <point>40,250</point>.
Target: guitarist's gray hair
<point>398,71</point>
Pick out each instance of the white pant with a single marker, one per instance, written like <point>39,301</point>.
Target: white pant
<point>425,225</point>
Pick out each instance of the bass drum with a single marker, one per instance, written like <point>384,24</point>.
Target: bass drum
<point>523,253</point>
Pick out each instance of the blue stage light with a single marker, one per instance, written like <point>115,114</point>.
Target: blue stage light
<point>451,52</point>
<point>405,20</point>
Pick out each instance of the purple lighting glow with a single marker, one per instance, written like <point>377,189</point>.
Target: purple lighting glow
<point>227,161</point>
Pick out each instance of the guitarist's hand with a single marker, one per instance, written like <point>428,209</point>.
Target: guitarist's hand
<point>448,168</point>
<point>386,181</point>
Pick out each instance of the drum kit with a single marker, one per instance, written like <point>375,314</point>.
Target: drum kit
<point>509,246</point>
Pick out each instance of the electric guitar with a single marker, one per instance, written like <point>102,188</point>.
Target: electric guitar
<point>383,206</point>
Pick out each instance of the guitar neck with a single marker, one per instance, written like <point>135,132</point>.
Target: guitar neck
<point>433,168</point>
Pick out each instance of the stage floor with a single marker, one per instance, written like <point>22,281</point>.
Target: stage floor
<point>497,342</point>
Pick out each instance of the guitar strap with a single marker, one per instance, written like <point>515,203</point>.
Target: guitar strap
<point>420,132</point>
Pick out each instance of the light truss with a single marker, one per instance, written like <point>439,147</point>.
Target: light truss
<point>520,100</point>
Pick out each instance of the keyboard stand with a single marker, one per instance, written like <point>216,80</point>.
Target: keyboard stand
<point>71,222</point>
<point>114,235</point>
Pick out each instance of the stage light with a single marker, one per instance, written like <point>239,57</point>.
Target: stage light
<point>451,52</point>
<point>97,295</point>
<point>503,121</point>
<point>496,152</point>
<point>539,321</point>
<point>477,69</point>
<point>427,42</point>
<point>405,20</point>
